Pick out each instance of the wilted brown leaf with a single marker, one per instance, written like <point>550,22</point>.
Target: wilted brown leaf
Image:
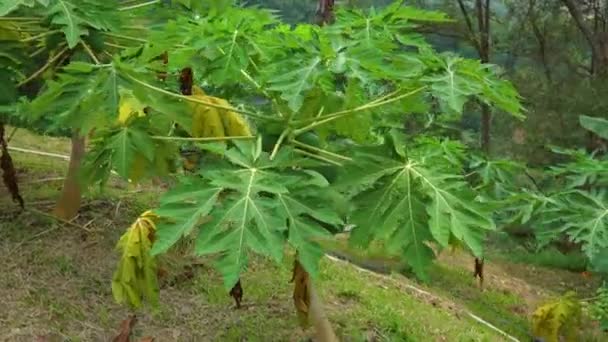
<point>124,334</point>
<point>237,293</point>
<point>301,294</point>
<point>9,175</point>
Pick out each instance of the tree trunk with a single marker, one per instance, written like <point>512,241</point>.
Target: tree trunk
<point>483,23</point>
<point>325,12</point>
<point>69,201</point>
<point>481,42</point>
<point>9,174</point>
<point>598,42</point>
<point>309,305</point>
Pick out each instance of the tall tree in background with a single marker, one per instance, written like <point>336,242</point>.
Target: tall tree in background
<point>594,33</point>
<point>591,19</point>
<point>481,42</point>
<point>325,11</point>
<point>480,38</point>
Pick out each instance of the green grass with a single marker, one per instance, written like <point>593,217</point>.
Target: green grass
<point>506,248</point>
<point>501,308</point>
<point>509,297</point>
<point>56,280</point>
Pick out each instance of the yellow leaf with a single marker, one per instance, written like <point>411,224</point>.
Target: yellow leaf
<point>129,106</point>
<point>215,122</point>
<point>198,91</point>
<point>138,168</point>
<point>9,31</point>
<point>135,276</point>
<point>558,319</point>
<point>206,121</point>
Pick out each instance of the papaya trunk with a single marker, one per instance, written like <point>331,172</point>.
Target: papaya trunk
<point>309,305</point>
<point>69,202</point>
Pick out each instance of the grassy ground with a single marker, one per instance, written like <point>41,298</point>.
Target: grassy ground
<point>56,281</point>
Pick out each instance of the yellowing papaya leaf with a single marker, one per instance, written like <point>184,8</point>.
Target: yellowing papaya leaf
<point>216,122</point>
<point>135,278</point>
<point>234,124</point>
<point>558,319</point>
<point>129,107</point>
<point>206,121</point>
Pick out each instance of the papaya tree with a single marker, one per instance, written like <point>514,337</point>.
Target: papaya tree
<point>299,130</point>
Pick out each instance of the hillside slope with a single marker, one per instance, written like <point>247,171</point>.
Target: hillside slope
<point>56,283</point>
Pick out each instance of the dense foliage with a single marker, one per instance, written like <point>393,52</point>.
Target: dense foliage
<point>300,129</point>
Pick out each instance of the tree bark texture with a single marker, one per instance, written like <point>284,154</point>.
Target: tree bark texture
<point>483,23</point>
<point>69,202</point>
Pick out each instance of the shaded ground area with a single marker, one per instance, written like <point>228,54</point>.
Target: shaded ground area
<point>56,281</point>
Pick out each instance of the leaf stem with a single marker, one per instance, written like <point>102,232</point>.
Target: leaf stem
<point>90,52</point>
<point>259,87</point>
<point>204,139</point>
<point>115,45</point>
<point>370,105</point>
<point>43,68</point>
<point>275,149</point>
<point>37,52</point>
<point>320,150</point>
<point>38,36</point>
<point>195,100</point>
<point>143,4</point>
<point>20,19</point>
<point>122,36</point>
<point>316,156</point>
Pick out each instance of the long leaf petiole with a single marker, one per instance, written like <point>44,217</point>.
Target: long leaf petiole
<point>203,139</point>
<point>319,150</point>
<point>195,100</point>
<point>337,115</point>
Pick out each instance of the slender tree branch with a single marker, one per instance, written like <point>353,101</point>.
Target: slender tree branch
<point>576,14</point>
<point>540,38</point>
<point>467,19</point>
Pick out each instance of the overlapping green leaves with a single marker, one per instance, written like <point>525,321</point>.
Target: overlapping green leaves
<point>247,203</point>
<point>409,204</point>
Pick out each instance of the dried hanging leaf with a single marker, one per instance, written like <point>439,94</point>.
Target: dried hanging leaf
<point>301,294</point>
<point>9,174</point>
<point>479,270</point>
<point>136,275</point>
<point>124,333</point>
<point>237,293</point>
